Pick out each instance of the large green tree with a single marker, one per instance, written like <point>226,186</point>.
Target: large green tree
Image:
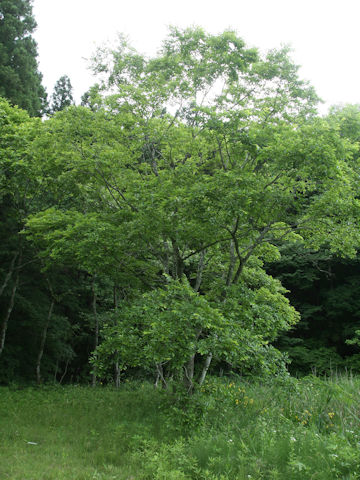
<point>182,183</point>
<point>20,80</point>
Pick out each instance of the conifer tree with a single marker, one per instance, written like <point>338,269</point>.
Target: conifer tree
<point>20,80</point>
<point>62,96</point>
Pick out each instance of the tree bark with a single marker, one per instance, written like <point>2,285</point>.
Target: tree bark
<point>160,376</point>
<point>65,372</point>
<point>200,270</point>
<point>231,264</point>
<point>205,369</point>
<point>9,274</point>
<point>117,371</point>
<point>117,374</point>
<point>42,343</point>
<point>189,374</point>
<point>4,325</point>
<point>96,337</point>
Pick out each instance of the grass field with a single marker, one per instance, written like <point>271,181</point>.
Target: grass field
<point>293,429</point>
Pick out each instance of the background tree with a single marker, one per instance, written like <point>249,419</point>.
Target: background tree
<point>323,286</point>
<point>62,96</point>
<point>20,80</point>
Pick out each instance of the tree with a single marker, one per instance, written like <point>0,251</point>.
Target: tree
<point>323,286</point>
<point>20,80</point>
<point>175,178</point>
<point>62,96</point>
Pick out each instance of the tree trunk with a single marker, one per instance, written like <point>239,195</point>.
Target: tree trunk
<point>200,270</point>
<point>56,371</point>
<point>189,374</point>
<point>4,325</point>
<point>160,376</point>
<point>205,369</point>
<point>178,261</point>
<point>189,369</point>
<point>65,372</point>
<point>117,374</point>
<point>117,371</point>
<point>9,274</point>
<point>96,338</point>
<point>231,264</point>
<point>42,343</point>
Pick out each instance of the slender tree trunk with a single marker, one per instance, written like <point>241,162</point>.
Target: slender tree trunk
<point>4,325</point>
<point>160,376</point>
<point>9,274</point>
<point>205,369</point>
<point>165,258</point>
<point>200,270</point>
<point>231,264</point>
<point>96,337</point>
<point>117,374</point>
<point>56,371</point>
<point>117,378</point>
<point>178,261</point>
<point>65,372</point>
<point>189,374</point>
<point>42,343</point>
<point>189,369</point>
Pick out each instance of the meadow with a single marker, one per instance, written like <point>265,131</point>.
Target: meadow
<point>232,430</point>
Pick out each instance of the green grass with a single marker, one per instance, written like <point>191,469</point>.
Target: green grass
<point>293,429</point>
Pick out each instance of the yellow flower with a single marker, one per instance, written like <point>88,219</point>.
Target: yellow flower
<point>331,414</point>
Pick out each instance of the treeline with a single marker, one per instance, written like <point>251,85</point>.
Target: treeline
<point>152,224</point>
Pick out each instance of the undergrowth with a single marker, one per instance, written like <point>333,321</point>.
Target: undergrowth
<point>231,430</point>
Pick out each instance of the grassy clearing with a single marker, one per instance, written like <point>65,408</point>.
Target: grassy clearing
<point>294,429</point>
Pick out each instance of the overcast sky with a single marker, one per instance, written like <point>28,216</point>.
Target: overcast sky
<point>324,34</point>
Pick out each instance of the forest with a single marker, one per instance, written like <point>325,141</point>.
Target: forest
<point>194,222</point>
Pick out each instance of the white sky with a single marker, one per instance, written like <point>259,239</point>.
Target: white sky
<point>324,34</point>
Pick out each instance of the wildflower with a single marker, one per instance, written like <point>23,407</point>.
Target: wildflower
<point>292,439</point>
<point>331,414</point>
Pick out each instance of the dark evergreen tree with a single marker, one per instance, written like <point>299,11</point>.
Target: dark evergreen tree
<point>62,95</point>
<point>20,80</point>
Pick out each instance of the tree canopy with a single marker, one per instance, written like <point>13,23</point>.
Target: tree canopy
<point>166,196</point>
<point>20,80</point>
<point>62,96</point>
<point>186,177</point>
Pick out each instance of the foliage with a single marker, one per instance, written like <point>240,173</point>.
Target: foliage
<point>323,286</point>
<point>248,430</point>
<point>166,327</point>
<point>171,176</point>
<point>62,96</point>
<point>159,202</point>
<point>20,80</point>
